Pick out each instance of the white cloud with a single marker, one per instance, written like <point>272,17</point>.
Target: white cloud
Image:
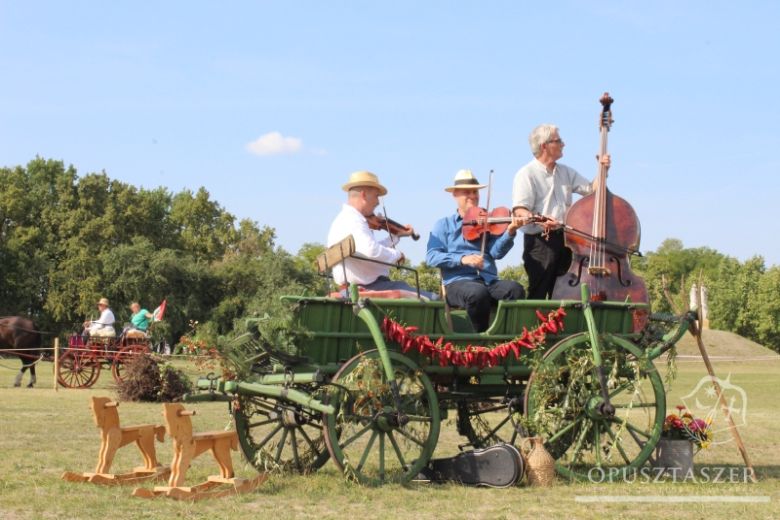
<point>274,143</point>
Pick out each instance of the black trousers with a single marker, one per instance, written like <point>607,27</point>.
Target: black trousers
<point>544,261</point>
<point>477,298</point>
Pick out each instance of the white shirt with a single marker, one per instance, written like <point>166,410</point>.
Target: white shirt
<point>104,323</point>
<point>547,193</point>
<point>351,222</point>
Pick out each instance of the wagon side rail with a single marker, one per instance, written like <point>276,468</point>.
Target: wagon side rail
<point>659,346</point>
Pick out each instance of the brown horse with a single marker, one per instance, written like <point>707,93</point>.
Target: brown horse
<point>19,337</point>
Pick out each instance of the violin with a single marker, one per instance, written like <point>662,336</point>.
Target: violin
<point>379,222</point>
<point>478,221</point>
<point>600,258</point>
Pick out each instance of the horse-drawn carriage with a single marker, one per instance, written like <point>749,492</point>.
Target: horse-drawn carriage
<point>80,363</point>
<point>372,378</point>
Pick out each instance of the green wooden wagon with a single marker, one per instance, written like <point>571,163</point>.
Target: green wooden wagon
<point>349,394</point>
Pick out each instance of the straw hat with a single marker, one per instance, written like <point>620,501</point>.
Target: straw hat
<point>464,179</point>
<point>103,301</point>
<point>364,178</point>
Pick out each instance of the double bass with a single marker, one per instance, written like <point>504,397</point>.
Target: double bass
<point>600,257</point>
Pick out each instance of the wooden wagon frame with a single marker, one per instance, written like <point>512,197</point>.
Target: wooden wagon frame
<point>374,405</point>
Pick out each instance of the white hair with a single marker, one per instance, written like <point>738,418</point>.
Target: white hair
<point>539,136</point>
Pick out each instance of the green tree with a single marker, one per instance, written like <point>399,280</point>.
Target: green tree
<point>680,267</point>
<point>430,278</point>
<point>201,225</point>
<point>765,309</point>
<point>746,284</point>
<point>516,273</point>
<point>67,240</point>
<point>726,299</point>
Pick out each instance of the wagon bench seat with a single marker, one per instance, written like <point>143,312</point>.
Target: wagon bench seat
<point>336,254</point>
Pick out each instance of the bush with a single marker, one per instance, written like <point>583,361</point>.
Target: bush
<point>144,381</point>
<point>174,384</point>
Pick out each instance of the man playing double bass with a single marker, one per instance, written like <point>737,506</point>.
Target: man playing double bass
<point>545,187</point>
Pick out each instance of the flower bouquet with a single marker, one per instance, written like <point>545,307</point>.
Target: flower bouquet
<point>682,425</point>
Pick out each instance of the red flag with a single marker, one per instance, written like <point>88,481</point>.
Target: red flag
<point>158,313</point>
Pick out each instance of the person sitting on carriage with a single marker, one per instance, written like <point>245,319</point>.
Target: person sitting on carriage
<point>363,192</point>
<point>469,274</point>
<point>139,321</point>
<point>104,325</point>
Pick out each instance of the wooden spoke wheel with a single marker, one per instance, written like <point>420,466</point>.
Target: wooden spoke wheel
<point>279,436</point>
<point>377,435</point>
<point>125,354</point>
<point>78,368</point>
<point>491,421</point>
<point>564,405</point>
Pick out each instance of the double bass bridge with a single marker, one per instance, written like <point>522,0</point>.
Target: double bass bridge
<point>599,270</point>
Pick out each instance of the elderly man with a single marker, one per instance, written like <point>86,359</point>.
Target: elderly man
<point>363,192</point>
<point>545,187</point>
<point>104,325</point>
<point>471,278</point>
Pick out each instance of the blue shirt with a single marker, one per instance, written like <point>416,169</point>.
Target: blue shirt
<point>446,247</point>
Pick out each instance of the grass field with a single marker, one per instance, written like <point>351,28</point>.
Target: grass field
<point>43,433</point>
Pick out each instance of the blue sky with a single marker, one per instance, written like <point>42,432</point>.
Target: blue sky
<point>173,93</point>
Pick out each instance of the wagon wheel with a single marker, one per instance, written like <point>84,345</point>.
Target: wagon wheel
<point>123,355</point>
<point>276,435</point>
<point>78,369</point>
<point>491,421</point>
<point>366,437</point>
<point>562,405</point>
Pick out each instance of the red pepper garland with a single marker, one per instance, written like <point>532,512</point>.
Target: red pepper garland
<point>472,356</point>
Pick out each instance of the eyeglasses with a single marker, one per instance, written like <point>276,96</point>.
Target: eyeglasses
<point>559,141</point>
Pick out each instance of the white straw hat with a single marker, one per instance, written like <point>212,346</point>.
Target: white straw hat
<point>465,180</point>
<point>364,178</point>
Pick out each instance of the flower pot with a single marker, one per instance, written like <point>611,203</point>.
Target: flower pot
<point>674,456</point>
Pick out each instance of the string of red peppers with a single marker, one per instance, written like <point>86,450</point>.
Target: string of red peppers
<point>473,356</point>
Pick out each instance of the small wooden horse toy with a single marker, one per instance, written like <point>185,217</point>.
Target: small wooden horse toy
<point>112,437</point>
<point>187,446</point>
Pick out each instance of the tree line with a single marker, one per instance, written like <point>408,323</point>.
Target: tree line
<point>744,297</point>
<point>67,240</point>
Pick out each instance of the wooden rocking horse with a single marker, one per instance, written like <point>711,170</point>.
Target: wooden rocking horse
<point>187,446</point>
<point>112,437</point>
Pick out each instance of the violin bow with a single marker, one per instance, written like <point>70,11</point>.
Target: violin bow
<point>387,223</point>
<point>601,241</point>
<point>487,212</point>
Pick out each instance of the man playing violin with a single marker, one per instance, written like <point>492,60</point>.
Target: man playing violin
<point>545,187</point>
<point>469,275</point>
<point>363,192</point>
